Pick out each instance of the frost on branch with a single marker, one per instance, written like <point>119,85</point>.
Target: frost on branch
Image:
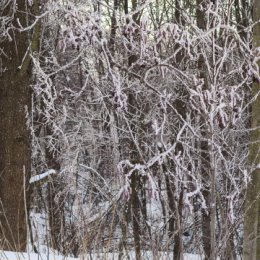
<point>147,111</point>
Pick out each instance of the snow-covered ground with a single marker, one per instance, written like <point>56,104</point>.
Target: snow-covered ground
<point>7,255</point>
<point>40,225</point>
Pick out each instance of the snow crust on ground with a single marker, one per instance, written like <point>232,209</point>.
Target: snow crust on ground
<point>7,255</point>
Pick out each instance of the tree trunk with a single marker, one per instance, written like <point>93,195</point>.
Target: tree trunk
<point>136,213</point>
<point>251,247</point>
<point>15,157</point>
<point>56,215</point>
<point>205,167</point>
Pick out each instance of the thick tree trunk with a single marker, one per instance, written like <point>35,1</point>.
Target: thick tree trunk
<point>251,247</point>
<point>15,95</point>
<point>14,160</point>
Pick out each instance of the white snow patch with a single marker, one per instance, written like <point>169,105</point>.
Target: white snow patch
<point>41,176</point>
<point>148,255</point>
<point>8,255</point>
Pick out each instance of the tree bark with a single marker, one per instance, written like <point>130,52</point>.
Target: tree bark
<point>208,164</point>
<point>15,157</point>
<point>205,168</point>
<point>136,213</point>
<point>251,246</point>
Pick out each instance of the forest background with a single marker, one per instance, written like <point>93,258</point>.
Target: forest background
<point>130,126</point>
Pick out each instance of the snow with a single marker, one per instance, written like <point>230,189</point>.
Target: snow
<point>41,176</point>
<point>145,256</point>
<point>7,255</point>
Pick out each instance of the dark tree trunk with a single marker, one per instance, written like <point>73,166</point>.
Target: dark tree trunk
<point>15,162</point>
<point>205,167</point>
<point>56,215</point>
<point>251,244</point>
<point>135,182</point>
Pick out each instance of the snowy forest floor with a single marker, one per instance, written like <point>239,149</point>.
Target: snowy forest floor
<point>7,255</point>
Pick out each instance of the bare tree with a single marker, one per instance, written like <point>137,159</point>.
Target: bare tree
<point>251,225</point>
<point>16,45</point>
<point>166,101</point>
